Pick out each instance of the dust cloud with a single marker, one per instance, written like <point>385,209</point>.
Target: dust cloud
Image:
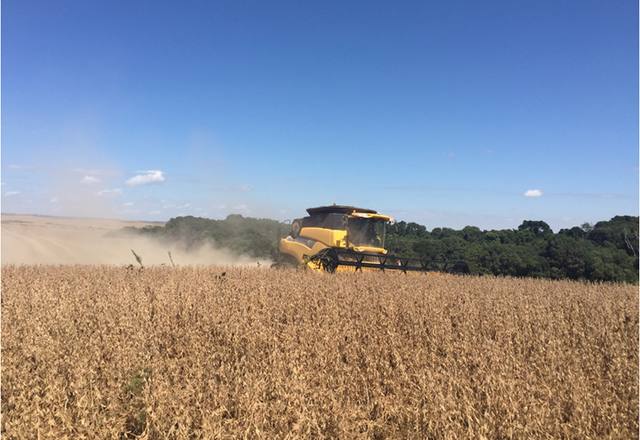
<point>58,240</point>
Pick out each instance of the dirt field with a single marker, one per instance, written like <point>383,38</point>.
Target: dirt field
<point>28,239</point>
<point>105,352</point>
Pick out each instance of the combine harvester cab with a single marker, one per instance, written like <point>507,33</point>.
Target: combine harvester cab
<point>341,238</point>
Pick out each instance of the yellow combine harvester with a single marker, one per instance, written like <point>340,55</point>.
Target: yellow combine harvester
<point>341,238</point>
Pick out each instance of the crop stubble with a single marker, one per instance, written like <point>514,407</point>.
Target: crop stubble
<point>187,353</point>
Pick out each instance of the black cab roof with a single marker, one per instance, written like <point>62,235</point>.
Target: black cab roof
<point>338,209</point>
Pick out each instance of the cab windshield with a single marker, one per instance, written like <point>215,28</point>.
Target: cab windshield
<point>366,232</point>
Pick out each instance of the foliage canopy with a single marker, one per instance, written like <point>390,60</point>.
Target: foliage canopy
<point>606,251</point>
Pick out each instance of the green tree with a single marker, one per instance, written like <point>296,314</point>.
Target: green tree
<point>537,227</point>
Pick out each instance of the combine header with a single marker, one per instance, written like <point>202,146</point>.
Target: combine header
<point>341,238</point>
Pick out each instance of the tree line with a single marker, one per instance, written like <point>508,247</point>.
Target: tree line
<point>605,251</point>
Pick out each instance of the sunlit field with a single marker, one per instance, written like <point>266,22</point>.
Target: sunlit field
<point>108,352</point>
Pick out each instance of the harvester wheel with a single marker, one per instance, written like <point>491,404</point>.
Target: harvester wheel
<point>285,262</point>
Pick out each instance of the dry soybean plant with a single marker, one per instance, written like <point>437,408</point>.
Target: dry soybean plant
<point>103,352</point>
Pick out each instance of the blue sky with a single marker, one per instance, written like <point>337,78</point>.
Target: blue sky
<point>444,113</point>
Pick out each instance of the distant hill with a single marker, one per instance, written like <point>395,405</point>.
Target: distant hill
<point>606,251</point>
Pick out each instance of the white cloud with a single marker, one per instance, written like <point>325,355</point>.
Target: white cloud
<point>98,172</point>
<point>146,177</point>
<point>127,204</point>
<point>533,193</point>
<point>90,180</point>
<point>154,212</point>
<point>11,193</point>
<point>53,200</point>
<point>166,205</point>
<point>113,192</point>
<point>241,207</point>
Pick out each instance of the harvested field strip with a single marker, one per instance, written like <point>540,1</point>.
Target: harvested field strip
<point>105,352</point>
